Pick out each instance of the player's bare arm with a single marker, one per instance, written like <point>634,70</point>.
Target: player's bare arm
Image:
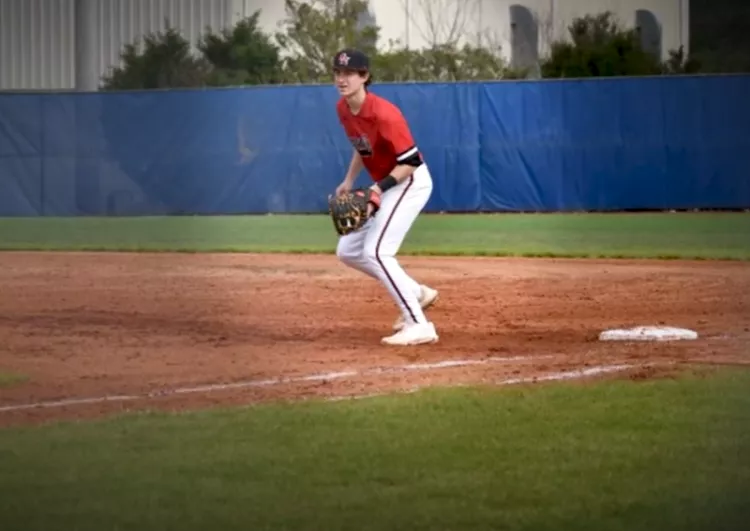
<point>355,167</point>
<point>399,173</point>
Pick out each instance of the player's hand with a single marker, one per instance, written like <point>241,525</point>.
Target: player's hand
<point>343,188</point>
<point>370,207</point>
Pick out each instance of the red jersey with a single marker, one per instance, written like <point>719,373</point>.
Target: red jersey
<point>379,133</point>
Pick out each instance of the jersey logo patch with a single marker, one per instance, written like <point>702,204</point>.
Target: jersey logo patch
<point>362,145</point>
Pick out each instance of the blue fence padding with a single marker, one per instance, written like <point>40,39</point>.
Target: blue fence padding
<point>616,143</point>
<point>597,144</point>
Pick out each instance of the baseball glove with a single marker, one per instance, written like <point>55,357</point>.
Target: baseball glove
<point>349,211</point>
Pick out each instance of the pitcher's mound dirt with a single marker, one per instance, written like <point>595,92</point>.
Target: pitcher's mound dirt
<point>84,325</point>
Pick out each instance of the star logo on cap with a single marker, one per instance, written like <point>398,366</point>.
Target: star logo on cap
<point>343,59</point>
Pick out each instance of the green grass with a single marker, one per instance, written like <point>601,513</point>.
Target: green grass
<point>9,379</point>
<point>653,235</point>
<point>666,455</point>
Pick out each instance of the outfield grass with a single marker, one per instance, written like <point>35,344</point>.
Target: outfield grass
<point>659,455</point>
<point>660,235</point>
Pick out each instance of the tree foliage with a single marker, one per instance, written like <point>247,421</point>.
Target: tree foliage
<point>446,62</point>
<point>242,55</point>
<point>315,30</point>
<point>165,61</point>
<point>680,63</point>
<point>600,47</point>
<point>301,51</point>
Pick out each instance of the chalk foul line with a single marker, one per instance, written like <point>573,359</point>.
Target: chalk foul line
<point>270,382</point>
<point>555,376</point>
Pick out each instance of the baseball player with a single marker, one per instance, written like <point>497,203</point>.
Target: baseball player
<point>384,146</point>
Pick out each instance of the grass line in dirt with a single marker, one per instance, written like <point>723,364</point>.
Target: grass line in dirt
<point>647,235</point>
<point>669,454</point>
<point>9,379</point>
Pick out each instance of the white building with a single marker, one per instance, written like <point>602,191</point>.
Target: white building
<point>522,29</point>
<point>70,44</point>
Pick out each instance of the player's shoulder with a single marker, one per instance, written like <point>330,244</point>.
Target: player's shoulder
<point>383,105</point>
<point>385,109</point>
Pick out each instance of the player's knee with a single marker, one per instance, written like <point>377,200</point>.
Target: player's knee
<point>373,255</point>
<point>369,255</point>
<point>347,254</point>
<point>342,254</point>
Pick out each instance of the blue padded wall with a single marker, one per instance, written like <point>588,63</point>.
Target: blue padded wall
<point>596,144</point>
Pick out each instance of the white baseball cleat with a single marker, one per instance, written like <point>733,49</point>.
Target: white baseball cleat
<point>427,297</point>
<point>413,334</point>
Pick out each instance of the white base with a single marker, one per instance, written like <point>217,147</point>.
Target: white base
<point>648,333</point>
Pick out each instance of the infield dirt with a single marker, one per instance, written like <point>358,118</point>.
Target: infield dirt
<point>82,325</point>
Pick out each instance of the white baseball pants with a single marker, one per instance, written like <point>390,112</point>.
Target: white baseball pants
<point>373,248</point>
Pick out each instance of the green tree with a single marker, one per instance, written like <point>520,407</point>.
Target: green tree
<point>314,30</point>
<point>242,55</point>
<point>442,62</point>
<point>599,47</point>
<point>680,63</point>
<point>164,61</point>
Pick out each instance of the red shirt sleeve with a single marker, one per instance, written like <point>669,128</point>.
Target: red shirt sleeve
<point>395,131</point>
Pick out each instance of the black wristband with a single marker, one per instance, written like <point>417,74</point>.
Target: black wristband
<point>388,182</point>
